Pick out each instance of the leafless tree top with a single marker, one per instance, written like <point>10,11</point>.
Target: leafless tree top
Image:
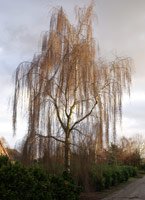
<point>67,85</point>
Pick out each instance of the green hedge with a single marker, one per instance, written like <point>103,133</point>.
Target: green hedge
<point>105,176</point>
<point>20,183</point>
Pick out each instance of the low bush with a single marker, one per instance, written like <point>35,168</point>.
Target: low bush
<point>18,182</point>
<point>4,160</point>
<point>64,187</point>
<point>21,183</point>
<point>105,176</point>
<point>98,177</point>
<point>142,167</point>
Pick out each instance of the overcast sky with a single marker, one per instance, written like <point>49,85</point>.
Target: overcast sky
<point>119,28</point>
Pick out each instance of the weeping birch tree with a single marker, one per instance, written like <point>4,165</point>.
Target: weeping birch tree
<point>68,89</point>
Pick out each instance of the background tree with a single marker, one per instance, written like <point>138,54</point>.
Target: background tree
<point>132,144</point>
<point>70,92</point>
<point>133,149</point>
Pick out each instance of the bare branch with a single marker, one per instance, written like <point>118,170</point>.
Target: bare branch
<point>89,113</point>
<point>50,136</point>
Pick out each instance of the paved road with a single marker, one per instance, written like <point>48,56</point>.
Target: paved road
<point>134,191</point>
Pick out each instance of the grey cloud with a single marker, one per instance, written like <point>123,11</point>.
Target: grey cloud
<point>135,110</point>
<point>134,115</point>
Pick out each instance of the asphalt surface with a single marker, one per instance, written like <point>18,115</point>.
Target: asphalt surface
<point>134,191</point>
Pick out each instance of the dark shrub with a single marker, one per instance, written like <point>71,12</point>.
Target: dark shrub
<point>4,160</point>
<point>105,176</point>
<point>64,188</point>
<point>20,183</point>
<point>108,178</point>
<point>97,177</point>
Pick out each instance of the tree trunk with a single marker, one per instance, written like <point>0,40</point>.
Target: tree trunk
<point>67,153</point>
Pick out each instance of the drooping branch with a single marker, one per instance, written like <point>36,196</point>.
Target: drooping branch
<point>60,85</point>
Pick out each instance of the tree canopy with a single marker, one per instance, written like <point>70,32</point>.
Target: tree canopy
<point>70,92</point>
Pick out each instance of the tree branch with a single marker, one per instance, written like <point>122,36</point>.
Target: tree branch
<point>53,137</point>
<point>77,122</point>
<point>50,136</point>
